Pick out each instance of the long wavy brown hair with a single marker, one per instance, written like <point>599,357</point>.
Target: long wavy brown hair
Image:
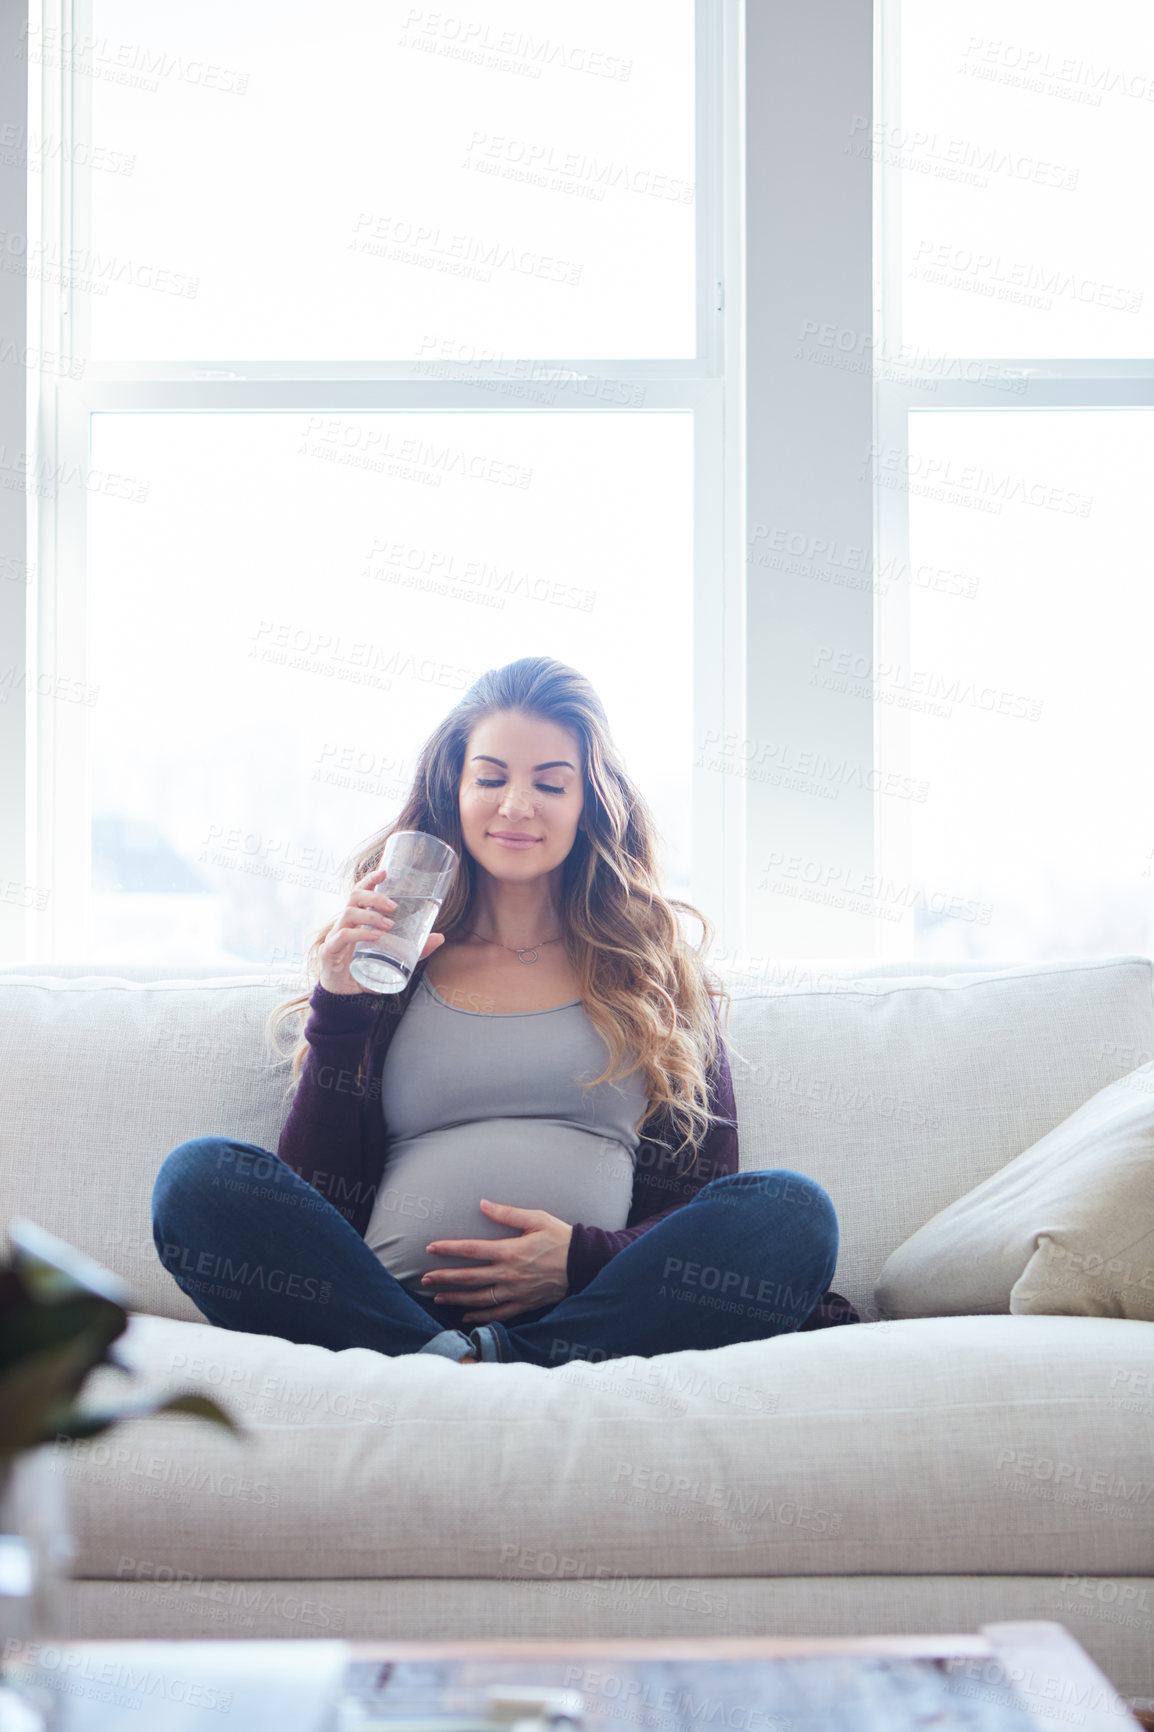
<point>645,988</point>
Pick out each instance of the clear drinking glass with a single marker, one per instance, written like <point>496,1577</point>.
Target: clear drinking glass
<point>418,872</point>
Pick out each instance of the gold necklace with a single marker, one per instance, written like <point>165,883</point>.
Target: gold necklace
<point>527,953</point>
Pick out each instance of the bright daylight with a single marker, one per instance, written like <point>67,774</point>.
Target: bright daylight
<point>574,604</point>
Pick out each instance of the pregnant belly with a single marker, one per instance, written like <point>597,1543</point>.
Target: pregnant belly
<point>433,1185</point>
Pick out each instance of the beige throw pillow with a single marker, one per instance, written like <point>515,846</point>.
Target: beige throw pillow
<point>1067,1228</point>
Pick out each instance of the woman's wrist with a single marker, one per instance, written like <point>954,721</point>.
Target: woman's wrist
<point>323,991</point>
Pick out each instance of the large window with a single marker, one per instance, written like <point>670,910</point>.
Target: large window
<point>950,390</point>
<point>393,344</point>
<point>1013,464</point>
<point>303,598</point>
<point>788,369</point>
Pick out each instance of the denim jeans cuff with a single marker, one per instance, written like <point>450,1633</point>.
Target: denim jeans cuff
<point>490,1343</point>
<point>449,1344</point>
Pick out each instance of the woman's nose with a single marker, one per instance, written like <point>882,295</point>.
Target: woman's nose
<point>516,803</point>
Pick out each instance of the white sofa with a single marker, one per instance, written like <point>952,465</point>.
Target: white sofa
<point>923,1475</point>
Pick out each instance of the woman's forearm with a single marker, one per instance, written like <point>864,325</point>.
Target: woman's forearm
<point>323,1136</point>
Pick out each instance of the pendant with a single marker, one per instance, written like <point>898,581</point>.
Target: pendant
<point>526,956</point>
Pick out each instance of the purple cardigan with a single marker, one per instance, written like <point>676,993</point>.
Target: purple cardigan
<point>336,1139</point>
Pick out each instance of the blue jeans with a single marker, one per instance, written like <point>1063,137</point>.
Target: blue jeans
<point>257,1249</point>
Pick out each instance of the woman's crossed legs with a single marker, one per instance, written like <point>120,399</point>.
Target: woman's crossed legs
<point>257,1249</point>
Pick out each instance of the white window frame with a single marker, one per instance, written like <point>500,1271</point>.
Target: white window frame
<point>21,895</point>
<point>49,842</point>
<point>807,754</point>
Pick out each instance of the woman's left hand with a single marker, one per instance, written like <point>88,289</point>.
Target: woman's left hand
<point>526,1272</point>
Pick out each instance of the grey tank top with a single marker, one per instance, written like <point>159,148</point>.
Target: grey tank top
<point>481,1104</point>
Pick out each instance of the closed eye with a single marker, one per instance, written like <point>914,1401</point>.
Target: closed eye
<point>495,782</point>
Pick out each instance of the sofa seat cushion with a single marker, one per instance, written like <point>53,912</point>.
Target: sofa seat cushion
<point>956,1445</point>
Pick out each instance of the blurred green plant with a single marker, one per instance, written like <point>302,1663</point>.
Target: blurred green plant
<point>60,1312</point>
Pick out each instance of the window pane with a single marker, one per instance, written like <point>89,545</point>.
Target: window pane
<point>374,179</point>
<point>296,601</point>
<point>1034,708</point>
<point>1023,140</point>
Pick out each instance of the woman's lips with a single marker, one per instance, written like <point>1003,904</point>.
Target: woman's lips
<point>514,841</point>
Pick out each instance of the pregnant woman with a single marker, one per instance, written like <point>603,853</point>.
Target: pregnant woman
<point>530,1153</point>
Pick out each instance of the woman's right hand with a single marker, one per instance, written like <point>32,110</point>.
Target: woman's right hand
<point>366,917</point>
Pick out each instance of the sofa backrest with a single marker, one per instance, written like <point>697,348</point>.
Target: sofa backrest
<point>897,1086</point>
<point>900,1093</point>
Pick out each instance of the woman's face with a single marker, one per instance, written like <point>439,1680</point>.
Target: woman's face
<point>522,778</point>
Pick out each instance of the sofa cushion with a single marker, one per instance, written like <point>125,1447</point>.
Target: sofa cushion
<point>107,1077</point>
<point>897,1094</point>
<point>960,1445</point>
<point>900,1094</point>
<point>1066,1227</point>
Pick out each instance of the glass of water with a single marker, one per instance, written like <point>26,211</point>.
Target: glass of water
<point>418,872</point>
